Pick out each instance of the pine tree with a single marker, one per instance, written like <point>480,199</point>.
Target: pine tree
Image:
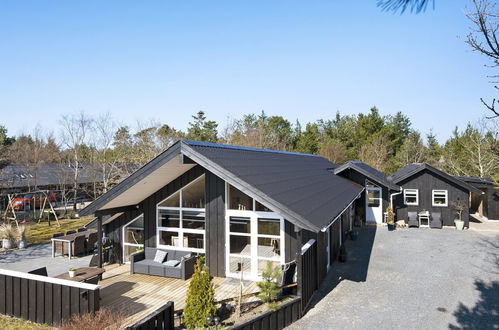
<point>269,288</point>
<point>200,298</point>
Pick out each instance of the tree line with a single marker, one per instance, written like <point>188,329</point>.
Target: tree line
<point>387,143</point>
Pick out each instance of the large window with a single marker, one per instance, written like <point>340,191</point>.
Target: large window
<point>254,234</point>
<point>182,220</point>
<point>411,197</point>
<point>439,198</point>
<point>133,237</point>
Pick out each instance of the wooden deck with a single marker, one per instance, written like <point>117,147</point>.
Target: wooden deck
<point>137,295</point>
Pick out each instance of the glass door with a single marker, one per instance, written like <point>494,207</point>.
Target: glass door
<point>133,237</point>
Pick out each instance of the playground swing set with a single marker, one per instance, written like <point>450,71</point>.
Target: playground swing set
<point>46,207</point>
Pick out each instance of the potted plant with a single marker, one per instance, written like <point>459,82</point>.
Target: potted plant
<point>459,206</point>
<point>390,219</point>
<point>7,235</point>
<point>72,272</point>
<point>22,233</point>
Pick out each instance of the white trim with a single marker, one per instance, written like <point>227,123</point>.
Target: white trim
<point>411,191</point>
<point>440,191</point>
<point>375,211</point>
<point>47,279</point>
<point>307,245</point>
<point>339,215</point>
<point>129,244</point>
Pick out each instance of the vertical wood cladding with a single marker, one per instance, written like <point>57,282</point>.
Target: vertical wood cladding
<point>215,224</point>
<point>148,207</point>
<point>426,181</point>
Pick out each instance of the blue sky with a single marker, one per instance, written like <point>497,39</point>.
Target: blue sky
<point>305,60</point>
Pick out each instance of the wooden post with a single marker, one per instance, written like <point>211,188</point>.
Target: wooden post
<point>299,266</point>
<point>99,239</point>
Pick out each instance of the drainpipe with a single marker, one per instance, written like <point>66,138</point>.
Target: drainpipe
<point>395,194</point>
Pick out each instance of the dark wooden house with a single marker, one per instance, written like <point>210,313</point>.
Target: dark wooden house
<point>240,207</point>
<point>486,204</point>
<point>379,191</point>
<point>426,188</point>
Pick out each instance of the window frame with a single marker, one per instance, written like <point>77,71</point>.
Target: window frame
<point>440,191</point>
<point>410,190</point>
<point>180,231</point>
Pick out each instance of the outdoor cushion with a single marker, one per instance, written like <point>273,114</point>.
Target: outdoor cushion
<point>187,256</point>
<point>157,269</point>
<point>171,263</point>
<point>160,256</point>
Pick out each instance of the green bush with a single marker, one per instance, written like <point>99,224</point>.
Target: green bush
<point>200,298</point>
<point>269,288</point>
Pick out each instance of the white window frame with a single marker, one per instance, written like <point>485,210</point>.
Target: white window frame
<point>416,191</point>
<point>123,238</point>
<point>440,191</point>
<point>180,230</point>
<point>254,216</point>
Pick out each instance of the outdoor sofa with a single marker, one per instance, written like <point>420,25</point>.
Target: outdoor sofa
<point>143,263</point>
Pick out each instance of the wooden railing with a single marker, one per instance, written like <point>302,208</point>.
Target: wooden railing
<point>307,273</point>
<point>43,299</point>
<point>274,320</point>
<point>161,319</point>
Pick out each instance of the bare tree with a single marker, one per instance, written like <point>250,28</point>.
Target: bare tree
<point>376,153</point>
<point>74,135</point>
<point>483,38</point>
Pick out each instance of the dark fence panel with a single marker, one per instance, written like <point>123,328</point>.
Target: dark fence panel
<point>307,273</point>
<point>161,319</point>
<point>43,299</point>
<point>274,320</point>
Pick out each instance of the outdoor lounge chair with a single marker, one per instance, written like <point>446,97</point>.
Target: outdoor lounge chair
<point>143,263</point>
<point>436,220</point>
<point>39,271</point>
<point>412,219</point>
<point>90,242</point>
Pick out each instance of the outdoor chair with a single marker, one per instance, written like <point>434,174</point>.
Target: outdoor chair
<point>58,245</point>
<point>94,261</point>
<point>69,232</point>
<point>80,230</point>
<point>93,280</point>
<point>39,271</point>
<point>412,219</point>
<point>90,242</point>
<point>57,235</point>
<point>78,247</point>
<point>436,220</point>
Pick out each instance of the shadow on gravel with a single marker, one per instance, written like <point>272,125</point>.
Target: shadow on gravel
<point>356,267</point>
<point>485,313</point>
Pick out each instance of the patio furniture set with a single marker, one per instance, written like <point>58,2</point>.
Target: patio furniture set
<point>166,263</point>
<point>90,275</point>
<point>424,219</point>
<point>74,243</point>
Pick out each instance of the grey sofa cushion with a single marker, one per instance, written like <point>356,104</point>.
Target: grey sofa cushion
<point>160,256</point>
<point>171,263</point>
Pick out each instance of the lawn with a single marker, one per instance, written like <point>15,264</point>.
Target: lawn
<point>12,323</point>
<point>42,233</point>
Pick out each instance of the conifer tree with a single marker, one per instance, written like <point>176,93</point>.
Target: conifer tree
<point>200,298</point>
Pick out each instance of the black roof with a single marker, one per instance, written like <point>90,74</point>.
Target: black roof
<point>47,174</point>
<point>413,169</point>
<point>474,179</point>
<point>301,187</point>
<point>370,172</point>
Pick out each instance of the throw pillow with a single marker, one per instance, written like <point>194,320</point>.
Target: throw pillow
<point>160,256</point>
<point>171,263</point>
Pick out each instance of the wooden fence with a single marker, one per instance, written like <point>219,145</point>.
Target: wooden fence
<point>274,320</point>
<point>161,319</point>
<point>43,299</point>
<point>307,273</point>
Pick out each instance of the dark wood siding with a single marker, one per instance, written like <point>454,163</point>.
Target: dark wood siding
<point>291,245</point>
<point>148,208</point>
<point>215,224</point>
<point>426,181</point>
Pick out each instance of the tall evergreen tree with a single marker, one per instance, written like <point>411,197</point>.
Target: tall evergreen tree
<point>201,129</point>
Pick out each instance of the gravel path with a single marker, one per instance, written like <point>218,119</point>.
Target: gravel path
<point>412,279</point>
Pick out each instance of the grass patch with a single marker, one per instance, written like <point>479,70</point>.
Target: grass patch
<point>42,233</point>
<point>12,323</point>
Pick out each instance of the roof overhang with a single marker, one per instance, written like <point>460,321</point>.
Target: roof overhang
<point>141,184</point>
<point>375,179</point>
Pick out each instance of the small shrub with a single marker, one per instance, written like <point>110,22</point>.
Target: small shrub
<point>22,232</point>
<point>269,288</point>
<point>102,319</point>
<point>200,298</point>
<point>390,216</point>
<point>7,232</point>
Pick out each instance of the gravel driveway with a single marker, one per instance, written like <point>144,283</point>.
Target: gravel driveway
<point>412,279</point>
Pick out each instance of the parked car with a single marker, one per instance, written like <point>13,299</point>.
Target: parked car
<point>31,201</point>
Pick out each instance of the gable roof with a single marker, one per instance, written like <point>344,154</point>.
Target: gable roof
<point>474,179</point>
<point>368,171</point>
<point>413,169</point>
<point>300,187</point>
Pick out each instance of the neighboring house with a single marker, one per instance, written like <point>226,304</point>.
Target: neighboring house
<point>427,188</point>
<point>379,190</point>
<point>485,205</point>
<point>239,206</point>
